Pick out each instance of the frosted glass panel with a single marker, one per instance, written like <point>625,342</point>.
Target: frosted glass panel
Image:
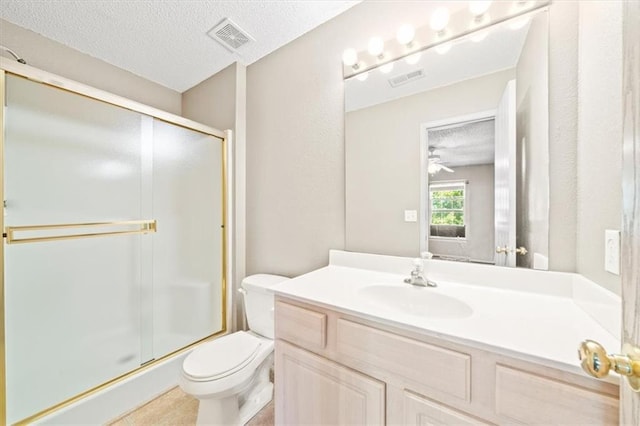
<point>187,251</point>
<point>68,158</point>
<point>72,307</point>
<point>72,319</point>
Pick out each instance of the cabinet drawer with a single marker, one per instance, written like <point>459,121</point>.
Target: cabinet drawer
<point>534,399</point>
<point>421,411</point>
<point>441,370</point>
<point>301,326</point>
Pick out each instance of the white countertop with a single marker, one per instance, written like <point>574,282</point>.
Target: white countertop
<point>544,327</point>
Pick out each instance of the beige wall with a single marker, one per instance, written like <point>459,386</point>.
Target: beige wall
<point>599,136</point>
<point>563,134</point>
<point>478,244</point>
<point>383,173</point>
<point>213,101</point>
<point>295,153</point>
<point>51,56</point>
<point>585,127</point>
<point>239,225</point>
<point>532,146</point>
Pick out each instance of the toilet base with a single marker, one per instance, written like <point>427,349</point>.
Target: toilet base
<point>256,403</point>
<point>224,411</point>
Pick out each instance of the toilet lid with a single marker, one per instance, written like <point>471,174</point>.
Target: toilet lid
<point>222,357</point>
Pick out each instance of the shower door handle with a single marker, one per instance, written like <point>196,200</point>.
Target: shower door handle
<point>141,227</point>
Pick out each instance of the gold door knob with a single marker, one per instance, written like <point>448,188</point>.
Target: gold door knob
<point>504,249</point>
<point>597,363</point>
<point>521,251</point>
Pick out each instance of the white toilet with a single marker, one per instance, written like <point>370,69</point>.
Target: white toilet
<point>230,375</point>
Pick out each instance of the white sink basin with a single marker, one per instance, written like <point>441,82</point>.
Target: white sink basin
<point>420,301</point>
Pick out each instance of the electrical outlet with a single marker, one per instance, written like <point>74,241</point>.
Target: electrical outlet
<point>410,215</point>
<point>612,251</point>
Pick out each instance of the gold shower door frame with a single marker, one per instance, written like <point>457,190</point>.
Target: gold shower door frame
<point>42,77</point>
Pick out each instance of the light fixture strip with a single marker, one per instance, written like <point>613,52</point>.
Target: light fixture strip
<point>460,25</point>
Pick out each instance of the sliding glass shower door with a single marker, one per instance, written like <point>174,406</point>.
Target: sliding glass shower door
<point>190,221</point>
<point>113,253</point>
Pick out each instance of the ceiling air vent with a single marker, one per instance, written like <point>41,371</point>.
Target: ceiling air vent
<point>399,80</point>
<point>230,35</point>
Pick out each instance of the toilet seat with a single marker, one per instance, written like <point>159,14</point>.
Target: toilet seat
<point>222,357</point>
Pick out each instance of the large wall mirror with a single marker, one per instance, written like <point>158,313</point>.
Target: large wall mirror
<point>448,152</point>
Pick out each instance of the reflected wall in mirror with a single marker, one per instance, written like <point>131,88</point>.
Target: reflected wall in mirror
<point>461,137</point>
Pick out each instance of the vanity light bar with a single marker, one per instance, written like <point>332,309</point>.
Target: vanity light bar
<point>443,30</point>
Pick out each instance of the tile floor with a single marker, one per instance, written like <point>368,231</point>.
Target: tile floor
<point>177,408</point>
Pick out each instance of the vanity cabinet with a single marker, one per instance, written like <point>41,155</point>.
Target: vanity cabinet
<point>332,367</point>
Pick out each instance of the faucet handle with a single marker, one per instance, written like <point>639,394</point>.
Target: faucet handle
<point>418,264</point>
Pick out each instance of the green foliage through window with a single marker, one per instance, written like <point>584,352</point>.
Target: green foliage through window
<point>447,205</point>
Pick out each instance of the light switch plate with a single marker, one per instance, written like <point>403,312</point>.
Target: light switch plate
<point>612,251</point>
<point>410,215</point>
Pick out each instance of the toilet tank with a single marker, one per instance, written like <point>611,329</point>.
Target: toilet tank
<point>258,302</point>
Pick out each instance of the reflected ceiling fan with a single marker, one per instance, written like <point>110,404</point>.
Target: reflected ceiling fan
<point>435,163</point>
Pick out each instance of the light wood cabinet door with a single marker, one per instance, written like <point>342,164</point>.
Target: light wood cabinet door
<point>535,400</point>
<point>420,411</point>
<point>311,390</point>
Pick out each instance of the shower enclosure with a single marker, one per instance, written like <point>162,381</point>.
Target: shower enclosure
<point>114,240</point>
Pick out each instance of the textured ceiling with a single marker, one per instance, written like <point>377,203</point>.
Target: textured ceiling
<point>464,145</point>
<point>165,41</point>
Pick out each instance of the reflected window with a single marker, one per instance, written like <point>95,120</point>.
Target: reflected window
<point>448,216</point>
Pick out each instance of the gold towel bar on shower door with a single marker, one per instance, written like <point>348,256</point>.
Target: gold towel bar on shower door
<point>144,227</point>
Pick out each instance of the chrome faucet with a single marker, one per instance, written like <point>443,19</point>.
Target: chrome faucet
<point>417,274</point>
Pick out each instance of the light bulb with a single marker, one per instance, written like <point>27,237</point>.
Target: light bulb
<point>413,59</point>
<point>376,46</point>
<point>386,68</point>
<point>478,7</point>
<point>443,48</point>
<point>439,19</point>
<point>519,23</point>
<point>363,76</point>
<point>349,57</point>
<point>405,34</point>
